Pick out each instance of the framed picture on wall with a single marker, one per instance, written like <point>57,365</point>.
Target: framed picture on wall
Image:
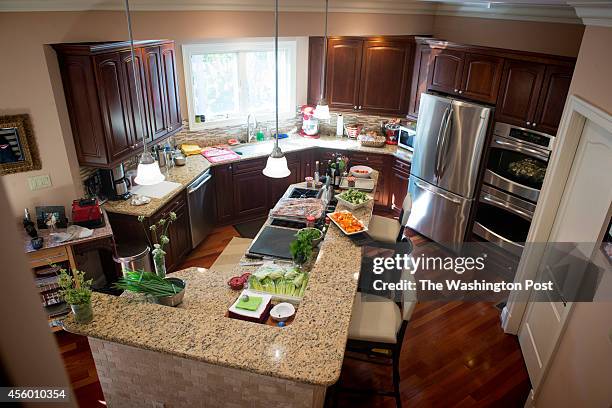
<point>18,149</point>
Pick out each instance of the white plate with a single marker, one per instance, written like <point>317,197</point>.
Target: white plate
<point>361,175</point>
<point>351,205</point>
<point>362,184</point>
<point>282,312</point>
<point>266,298</point>
<point>342,229</point>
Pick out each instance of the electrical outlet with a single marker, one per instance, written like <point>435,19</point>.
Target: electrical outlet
<point>39,182</point>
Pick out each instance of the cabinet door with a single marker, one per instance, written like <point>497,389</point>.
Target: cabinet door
<point>420,71</point>
<point>398,185</point>
<point>445,71</point>
<point>250,195</point>
<point>307,164</point>
<point>113,105</point>
<point>224,193</point>
<point>518,97</point>
<point>481,77</point>
<point>156,88</point>
<point>552,98</point>
<point>136,97</point>
<point>315,68</point>
<point>343,73</point>
<point>180,235</point>
<point>173,106</point>
<point>384,77</point>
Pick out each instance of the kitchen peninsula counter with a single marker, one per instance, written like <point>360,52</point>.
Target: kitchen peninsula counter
<point>306,355</point>
<point>197,164</point>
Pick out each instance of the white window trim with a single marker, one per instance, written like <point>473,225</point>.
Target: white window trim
<point>245,44</point>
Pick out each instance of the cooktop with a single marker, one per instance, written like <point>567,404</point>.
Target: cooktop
<point>298,192</point>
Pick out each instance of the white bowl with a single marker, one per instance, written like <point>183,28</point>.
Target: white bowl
<point>351,205</point>
<point>361,175</point>
<point>282,312</point>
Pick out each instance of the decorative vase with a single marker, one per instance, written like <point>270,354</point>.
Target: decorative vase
<point>159,261</point>
<point>83,313</point>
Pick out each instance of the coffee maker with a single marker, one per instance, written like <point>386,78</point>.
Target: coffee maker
<point>113,184</point>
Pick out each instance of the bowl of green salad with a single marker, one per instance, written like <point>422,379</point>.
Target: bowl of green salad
<point>353,198</point>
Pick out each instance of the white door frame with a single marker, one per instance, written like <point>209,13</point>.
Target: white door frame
<point>576,113</point>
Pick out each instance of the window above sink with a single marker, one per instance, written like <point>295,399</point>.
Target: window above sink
<point>227,80</point>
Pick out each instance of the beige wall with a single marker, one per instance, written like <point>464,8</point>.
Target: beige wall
<point>548,38</point>
<point>30,81</point>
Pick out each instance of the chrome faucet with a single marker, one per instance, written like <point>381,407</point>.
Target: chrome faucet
<point>251,132</point>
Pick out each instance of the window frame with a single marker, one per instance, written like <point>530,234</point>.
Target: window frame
<point>240,45</point>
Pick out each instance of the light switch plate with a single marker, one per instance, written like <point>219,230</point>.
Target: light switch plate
<point>39,182</point>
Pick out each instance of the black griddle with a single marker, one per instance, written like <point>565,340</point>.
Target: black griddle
<point>273,241</point>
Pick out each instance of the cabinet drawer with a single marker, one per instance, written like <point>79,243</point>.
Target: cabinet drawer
<point>401,166</point>
<point>370,159</point>
<point>250,165</point>
<point>47,256</point>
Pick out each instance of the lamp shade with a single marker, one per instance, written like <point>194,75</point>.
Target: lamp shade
<point>322,111</point>
<point>276,167</point>
<point>148,174</point>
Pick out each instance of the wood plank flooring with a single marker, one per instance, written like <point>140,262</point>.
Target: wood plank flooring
<point>454,355</point>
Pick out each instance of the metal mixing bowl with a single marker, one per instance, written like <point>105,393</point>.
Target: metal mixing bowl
<point>173,300</point>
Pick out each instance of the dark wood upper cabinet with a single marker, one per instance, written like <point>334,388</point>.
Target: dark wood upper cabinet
<point>481,77</point>
<point>108,123</point>
<point>171,90</point>
<point>156,88</point>
<point>555,87</point>
<point>385,72</point>
<point>343,72</point>
<point>446,70</point>
<point>315,66</point>
<point>420,72</point>
<point>519,93</point>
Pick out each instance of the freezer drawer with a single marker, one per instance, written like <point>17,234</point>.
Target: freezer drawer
<point>438,214</point>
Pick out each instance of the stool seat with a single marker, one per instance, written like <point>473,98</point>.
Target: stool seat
<point>374,318</point>
<point>384,229</point>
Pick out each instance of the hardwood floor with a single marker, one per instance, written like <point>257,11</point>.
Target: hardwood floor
<point>454,354</point>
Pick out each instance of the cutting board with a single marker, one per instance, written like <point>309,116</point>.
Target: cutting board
<point>158,190</point>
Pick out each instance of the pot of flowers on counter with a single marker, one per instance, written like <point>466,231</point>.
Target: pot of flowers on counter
<point>158,242</point>
<point>76,291</point>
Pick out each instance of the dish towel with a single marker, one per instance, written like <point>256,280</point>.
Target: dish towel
<point>220,155</point>
<point>252,304</point>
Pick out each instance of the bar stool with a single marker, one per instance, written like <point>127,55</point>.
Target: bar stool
<point>390,230</point>
<point>377,328</point>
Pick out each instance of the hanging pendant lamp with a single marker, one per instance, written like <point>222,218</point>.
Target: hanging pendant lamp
<point>148,172</point>
<point>322,110</point>
<point>276,167</point>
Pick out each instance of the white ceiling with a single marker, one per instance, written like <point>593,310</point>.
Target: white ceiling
<point>596,12</point>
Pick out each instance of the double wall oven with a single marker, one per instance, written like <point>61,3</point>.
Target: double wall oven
<point>513,178</point>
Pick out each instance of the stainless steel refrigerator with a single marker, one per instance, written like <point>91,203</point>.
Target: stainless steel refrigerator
<point>450,140</point>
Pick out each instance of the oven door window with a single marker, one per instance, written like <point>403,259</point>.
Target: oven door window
<point>518,167</point>
<point>502,222</point>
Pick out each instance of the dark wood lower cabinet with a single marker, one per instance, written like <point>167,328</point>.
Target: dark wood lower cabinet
<point>127,229</point>
<point>398,185</point>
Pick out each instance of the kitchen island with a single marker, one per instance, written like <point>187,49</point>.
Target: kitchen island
<point>193,355</point>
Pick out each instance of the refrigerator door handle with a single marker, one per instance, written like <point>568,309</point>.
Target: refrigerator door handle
<point>441,132</point>
<point>444,148</point>
<point>443,195</point>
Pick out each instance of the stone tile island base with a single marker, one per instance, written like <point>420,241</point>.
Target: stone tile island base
<point>133,377</point>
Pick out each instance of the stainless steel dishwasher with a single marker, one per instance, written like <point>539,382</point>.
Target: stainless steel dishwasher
<point>201,209</point>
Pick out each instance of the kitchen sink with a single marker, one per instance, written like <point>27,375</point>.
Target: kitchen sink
<point>260,147</point>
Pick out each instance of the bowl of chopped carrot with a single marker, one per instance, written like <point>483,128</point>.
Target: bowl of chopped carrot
<point>347,222</point>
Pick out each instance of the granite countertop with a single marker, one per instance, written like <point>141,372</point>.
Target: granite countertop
<point>98,233</point>
<point>197,164</point>
<point>310,350</point>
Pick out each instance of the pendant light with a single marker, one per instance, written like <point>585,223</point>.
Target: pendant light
<point>276,167</point>
<point>148,172</point>
<point>322,110</point>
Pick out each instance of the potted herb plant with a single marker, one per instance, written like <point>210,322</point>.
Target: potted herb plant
<point>76,291</point>
<point>301,249</point>
<point>159,235</point>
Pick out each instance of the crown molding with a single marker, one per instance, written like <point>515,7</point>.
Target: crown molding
<point>522,12</point>
<point>597,13</point>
